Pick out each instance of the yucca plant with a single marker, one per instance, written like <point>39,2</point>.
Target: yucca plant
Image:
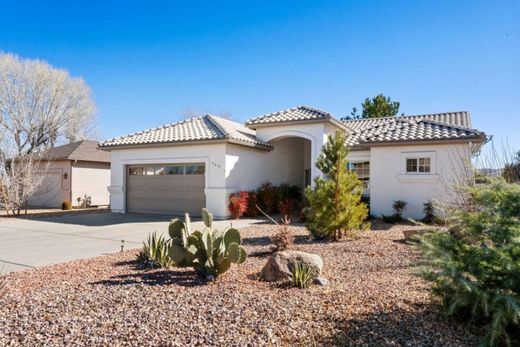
<point>155,252</point>
<point>302,275</point>
<point>475,267</point>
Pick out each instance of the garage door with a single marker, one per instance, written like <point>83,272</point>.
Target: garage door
<point>166,189</point>
<point>48,193</point>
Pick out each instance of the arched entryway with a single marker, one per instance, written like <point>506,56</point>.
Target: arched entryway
<point>292,159</point>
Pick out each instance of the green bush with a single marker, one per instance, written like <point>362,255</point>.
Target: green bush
<point>66,205</point>
<point>475,267</point>
<point>155,252</point>
<point>335,203</point>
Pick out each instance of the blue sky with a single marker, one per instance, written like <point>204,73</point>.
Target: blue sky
<point>148,62</point>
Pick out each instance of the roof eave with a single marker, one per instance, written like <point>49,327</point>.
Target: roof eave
<point>480,138</point>
<point>185,143</point>
<point>161,144</point>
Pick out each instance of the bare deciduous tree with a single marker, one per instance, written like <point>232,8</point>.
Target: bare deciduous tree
<point>39,107</point>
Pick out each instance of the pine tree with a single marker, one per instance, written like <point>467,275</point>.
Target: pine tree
<point>335,202</point>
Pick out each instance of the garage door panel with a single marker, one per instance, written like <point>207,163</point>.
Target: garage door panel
<point>165,194</point>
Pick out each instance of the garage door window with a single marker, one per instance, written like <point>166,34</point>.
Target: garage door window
<point>136,171</point>
<point>175,170</point>
<point>189,169</point>
<point>194,169</point>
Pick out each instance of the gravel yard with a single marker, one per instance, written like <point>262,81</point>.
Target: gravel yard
<point>373,299</point>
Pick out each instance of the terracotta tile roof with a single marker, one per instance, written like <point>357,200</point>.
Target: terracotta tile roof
<point>442,126</point>
<point>204,128</point>
<point>85,150</point>
<point>300,113</point>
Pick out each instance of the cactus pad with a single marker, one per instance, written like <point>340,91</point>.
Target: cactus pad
<point>175,228</point>
<point>207,217</point>
<point>232,236</point>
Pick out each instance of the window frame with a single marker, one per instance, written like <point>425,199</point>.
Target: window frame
<point>365,169</point>
<point>151,170</point>
<point>418,165</point>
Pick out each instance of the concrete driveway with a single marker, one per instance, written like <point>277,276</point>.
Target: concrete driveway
<point>40,241</point>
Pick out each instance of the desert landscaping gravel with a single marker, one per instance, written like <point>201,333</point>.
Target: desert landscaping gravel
<point>373,299</point>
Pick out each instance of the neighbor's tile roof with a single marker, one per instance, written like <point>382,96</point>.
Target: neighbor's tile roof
<point>441,126</point>
<point>85,150</point>
<point>300,113</point>
<point>204,128</point>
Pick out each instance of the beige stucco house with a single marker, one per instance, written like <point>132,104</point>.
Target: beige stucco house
<point>198,162</point>
<point>71,172</point>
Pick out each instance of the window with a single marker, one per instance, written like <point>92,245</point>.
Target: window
<point>418,165</point>
<point>175,170</point>
<point>190,169</point>
<point>135,171</point>
<point>194,169</point>
<point>362,170</point>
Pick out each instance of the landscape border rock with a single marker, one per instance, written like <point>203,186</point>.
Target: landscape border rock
<point>278,266</point>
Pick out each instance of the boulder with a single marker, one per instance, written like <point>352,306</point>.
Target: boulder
<point>321,281</point>
<point>278,266</point>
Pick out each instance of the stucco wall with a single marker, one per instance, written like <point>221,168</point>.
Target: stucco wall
<point>92,179</point>
<point>389,181</point>
<point>213,155</point>
<point>247,168</point>
<point>54,188</point>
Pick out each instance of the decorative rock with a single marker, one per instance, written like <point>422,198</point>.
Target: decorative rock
<point>278,266</point>
<point>321,281</point>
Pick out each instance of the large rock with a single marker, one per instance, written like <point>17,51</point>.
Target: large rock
<point>278,266</point>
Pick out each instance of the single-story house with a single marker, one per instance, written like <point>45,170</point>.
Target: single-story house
<point>71,172</point>
<point>198,162</point>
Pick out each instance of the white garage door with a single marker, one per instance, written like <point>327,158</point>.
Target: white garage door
<point>48,193</point>
<point>166,189</point>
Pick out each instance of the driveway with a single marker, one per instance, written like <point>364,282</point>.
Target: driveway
<point>40,241</point>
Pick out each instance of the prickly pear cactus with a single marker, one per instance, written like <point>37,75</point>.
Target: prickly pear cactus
<point>210,252</point>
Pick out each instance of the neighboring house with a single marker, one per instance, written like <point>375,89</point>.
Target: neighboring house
<point>73,171</point>
<point>198,162</point>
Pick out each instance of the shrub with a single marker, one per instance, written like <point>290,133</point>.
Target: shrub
<point>252,201</point>
<point>474,268</point>
<point>335,204</point>
<point>66,205</point>
<point>429,213</point>
<point>283,238</point>
<point>268,198</point>
<point>399,206</point>
<point>238,204</point>
<point>302,275</point>
<point>290,192</point>
<point>210,252</point>
<point>155,252</point>
<point>287,207</point>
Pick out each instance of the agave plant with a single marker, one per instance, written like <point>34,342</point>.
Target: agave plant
<point>209,252</point>
<point>155,252</point>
